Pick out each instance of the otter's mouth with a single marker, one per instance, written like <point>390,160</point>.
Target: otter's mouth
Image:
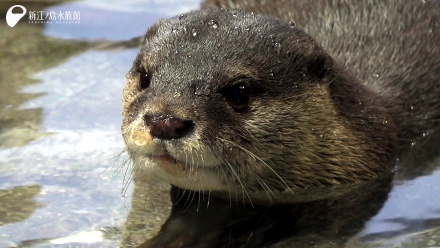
<point>173,166</point>
<point>185,174</point>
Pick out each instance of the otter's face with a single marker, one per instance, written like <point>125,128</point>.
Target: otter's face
<point>231,102</point>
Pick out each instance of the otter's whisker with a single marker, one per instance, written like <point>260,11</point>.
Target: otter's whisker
<point>240,182</point>
<point>189,201</point>
<point>115,162</point>
<point>181,193</point>
<point>128,175</point>
<point>198,202</point>
<point>259,159</point>
<point>265,187</point>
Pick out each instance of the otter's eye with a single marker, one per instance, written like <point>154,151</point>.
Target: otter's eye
<point>144,79</point>
<point>237,97</point>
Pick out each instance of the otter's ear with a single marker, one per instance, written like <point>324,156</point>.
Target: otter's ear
<point>152,30</point>
<point>319,64</point>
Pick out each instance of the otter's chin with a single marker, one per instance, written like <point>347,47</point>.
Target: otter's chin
<point>186,175</point>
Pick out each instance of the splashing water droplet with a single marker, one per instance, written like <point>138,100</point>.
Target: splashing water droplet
<point>213,24</point>
<point>292,24</point>
<point>277,47</point>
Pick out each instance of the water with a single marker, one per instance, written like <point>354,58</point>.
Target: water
<point>60,116</point>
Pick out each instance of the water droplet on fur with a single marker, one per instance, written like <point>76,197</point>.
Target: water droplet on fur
<point>177,94</point>
<point>182,16</point>
<point>427,133</point>
<point>271,73</point>
<point>198,93</point>
<point>376,75</point>
<point>292,24</point>
<point>213,24</point>
<point>411,107</point>
<point>234,14</point>
<point>413,143</point>
<point>131,117</point>
<point>194,33</point>
<point>277,47</point>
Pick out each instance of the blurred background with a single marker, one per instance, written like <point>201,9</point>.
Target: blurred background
<point>63,180</point>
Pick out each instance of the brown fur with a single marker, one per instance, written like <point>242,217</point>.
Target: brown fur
<point>318,122</point>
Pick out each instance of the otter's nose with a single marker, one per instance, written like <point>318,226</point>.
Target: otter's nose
<point>168,127</point>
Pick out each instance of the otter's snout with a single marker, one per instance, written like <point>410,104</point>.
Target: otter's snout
<point>168,127</point>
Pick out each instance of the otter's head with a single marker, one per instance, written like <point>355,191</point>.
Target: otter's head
<point>247,106</point>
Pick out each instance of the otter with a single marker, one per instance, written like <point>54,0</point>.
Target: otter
<point>275,102</point>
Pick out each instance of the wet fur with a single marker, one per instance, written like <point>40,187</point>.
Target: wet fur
<point>320,117</point>
<point>390,46</point>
